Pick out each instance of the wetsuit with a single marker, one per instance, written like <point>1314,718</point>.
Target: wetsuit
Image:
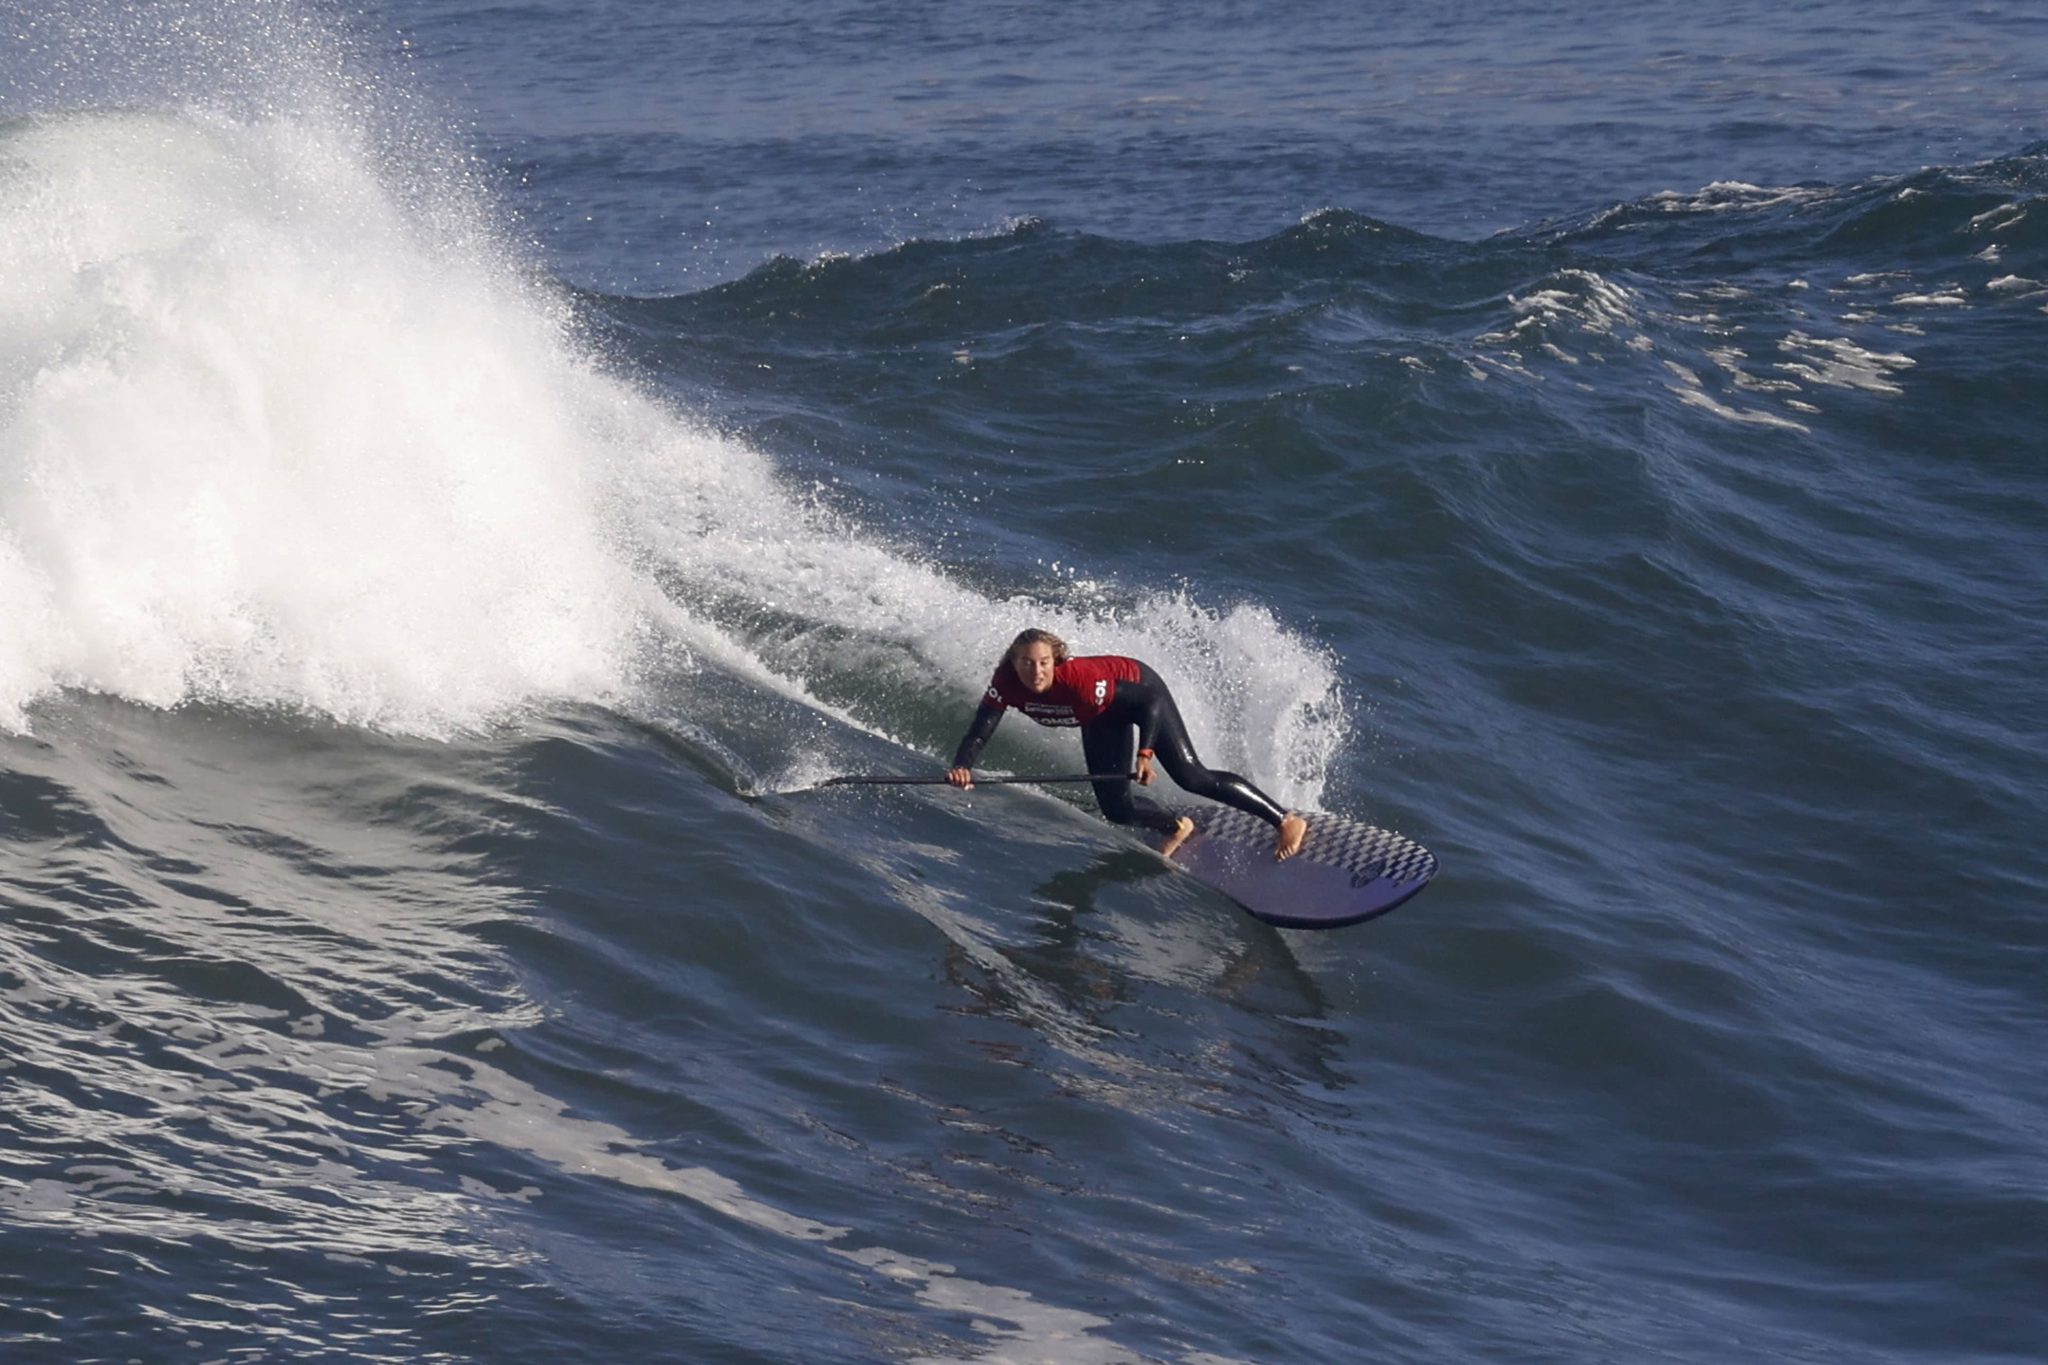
<point>1120,706</point>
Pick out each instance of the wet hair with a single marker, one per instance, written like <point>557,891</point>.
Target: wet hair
<point>1035,636</point>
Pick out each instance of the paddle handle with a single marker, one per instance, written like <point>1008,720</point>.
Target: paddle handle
<point>979,781</point>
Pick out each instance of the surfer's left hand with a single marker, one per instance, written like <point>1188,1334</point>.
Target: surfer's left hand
<point>1145,773</point>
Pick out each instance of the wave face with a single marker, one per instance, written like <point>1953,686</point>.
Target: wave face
<point>435,567</point>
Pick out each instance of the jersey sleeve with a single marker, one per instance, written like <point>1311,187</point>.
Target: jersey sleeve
<point>986,717</point>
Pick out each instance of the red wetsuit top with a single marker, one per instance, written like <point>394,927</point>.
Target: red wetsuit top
<point>1081,690</point>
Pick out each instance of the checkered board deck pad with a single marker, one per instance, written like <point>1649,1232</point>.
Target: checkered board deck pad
<point>1347,870</point>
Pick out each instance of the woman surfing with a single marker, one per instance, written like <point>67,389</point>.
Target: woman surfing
<point>1118,704</point>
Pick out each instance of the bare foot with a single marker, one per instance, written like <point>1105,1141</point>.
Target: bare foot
<point>1178,837</point>
<point>1293,830</point>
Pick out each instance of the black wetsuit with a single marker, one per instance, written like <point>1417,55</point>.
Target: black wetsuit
<point>1140,714</point>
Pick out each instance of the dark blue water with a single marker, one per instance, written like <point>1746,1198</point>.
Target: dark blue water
<point>465,469</point>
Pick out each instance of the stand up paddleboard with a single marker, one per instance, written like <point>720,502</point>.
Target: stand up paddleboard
<point>1347,870</point>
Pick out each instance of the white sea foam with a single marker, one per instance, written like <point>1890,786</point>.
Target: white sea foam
<point>1950,297</point>
<point>272,434</point>
<point>1731,360</point>
<point>264,440</point>
<point>1729,196</point>
<point>1595,302</point>
<point>2004,216</point>
<point>1582,300</point>
<point>1691,390</point>
<point>1840,363</point>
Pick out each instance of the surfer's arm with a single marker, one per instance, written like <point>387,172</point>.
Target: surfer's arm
<point>986,717</point>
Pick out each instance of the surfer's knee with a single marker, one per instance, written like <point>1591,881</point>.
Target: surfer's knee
<point>1188,774</point>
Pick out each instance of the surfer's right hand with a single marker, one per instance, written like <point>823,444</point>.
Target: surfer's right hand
<point>962,778</point>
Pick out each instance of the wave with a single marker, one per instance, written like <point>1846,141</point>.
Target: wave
<point>1933,214</point>
<point>1744,306</point>
<point>272,437</point>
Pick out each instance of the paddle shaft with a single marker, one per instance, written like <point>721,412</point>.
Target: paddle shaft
<point>979,781</point>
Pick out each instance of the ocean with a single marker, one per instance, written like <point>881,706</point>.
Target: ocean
<point>469,469</point>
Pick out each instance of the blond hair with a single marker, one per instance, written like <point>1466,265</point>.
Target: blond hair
<point>1035,636</point>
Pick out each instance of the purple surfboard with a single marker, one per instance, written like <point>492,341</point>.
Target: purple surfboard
<point>1347,870</point>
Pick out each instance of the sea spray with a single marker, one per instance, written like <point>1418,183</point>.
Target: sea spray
<point>265,444</point>
<point>287,422</point>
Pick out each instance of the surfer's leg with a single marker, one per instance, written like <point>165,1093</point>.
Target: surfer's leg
<point>1113,749</point>
<point>1176,753</point>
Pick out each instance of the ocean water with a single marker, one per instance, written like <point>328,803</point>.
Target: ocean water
<point>466,468</point>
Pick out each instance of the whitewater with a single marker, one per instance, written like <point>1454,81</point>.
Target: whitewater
<point>275,442</point>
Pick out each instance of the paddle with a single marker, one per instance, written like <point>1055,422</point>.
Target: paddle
<point>879,781</point>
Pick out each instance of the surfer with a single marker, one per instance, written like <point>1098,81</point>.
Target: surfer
<point>1113,700</point>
